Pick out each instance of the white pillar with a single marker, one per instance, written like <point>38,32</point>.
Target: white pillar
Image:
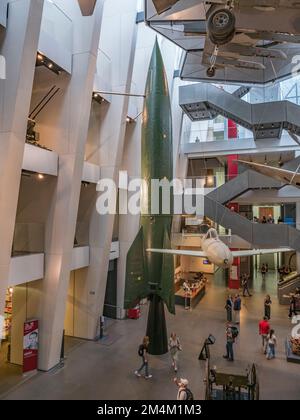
<point>19,48</point>
<point>61,225</point>
<point>119,46</point>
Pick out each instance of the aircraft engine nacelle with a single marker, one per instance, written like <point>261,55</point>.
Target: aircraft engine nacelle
<point>218,253</point>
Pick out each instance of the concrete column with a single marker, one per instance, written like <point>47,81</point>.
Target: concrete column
<point>120,49</point>
<point>61,225</point>
<point>19,48</point>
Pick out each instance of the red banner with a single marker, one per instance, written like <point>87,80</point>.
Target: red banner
<point>30,345</point>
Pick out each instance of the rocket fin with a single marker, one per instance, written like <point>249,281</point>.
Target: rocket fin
<point>167,291</point>
<point>136,285</point>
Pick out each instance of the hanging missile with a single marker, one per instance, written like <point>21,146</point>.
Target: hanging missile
<point>150,275</point>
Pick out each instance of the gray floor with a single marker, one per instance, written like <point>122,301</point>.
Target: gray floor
<point>105,370</point>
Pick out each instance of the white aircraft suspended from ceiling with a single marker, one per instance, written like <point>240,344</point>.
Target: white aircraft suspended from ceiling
<point>217,252</point>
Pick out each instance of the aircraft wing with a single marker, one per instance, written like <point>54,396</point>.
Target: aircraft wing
<point>87,7</point>
<point>250,252</point>
<point>283,175</point>
<point>179,252</point>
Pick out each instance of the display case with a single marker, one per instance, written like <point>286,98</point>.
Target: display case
<point>190,290</point>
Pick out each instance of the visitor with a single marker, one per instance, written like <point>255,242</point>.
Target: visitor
<point>143,352</point>
<point>237,306</point>
<point>267,305</point>
<point>255,219</point>
<point>267,268</point>
<point>271,344</point>
<point>281,273</point>
<point>174,348</point>
<point>229,343</point>
<point>245,286</point>
<point>264,220</point>
<point>270,219</point>
<point>292,309</point>
<point>286,270</point>
<point>229,307</point>
<point>263,271</point>
<point>184,393</point>
<point>264,329</point>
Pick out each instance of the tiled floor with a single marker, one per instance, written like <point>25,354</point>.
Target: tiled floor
<point>105,371</point>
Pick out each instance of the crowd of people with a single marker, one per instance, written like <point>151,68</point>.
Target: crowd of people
<point>233,309</point>
<point>184,393</point>
<point>269,219</point>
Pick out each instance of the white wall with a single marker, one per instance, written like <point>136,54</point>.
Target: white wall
<point>195,264</point>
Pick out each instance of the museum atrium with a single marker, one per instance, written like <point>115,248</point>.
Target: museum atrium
<point>99,99</point>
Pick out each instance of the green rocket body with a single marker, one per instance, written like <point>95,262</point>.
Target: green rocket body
<point>150,274</point>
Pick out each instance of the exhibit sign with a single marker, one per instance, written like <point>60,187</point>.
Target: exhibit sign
<point>30,345</point>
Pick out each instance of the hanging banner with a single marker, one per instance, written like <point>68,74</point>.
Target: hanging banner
<point>30,345</point>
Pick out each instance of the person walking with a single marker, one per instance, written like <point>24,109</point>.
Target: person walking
<point>184,393</point>
<point>143,352</point>
<point>229,308</point>
<point>229,343</point>
<point>263,271</point>
<point>264,329</point>
<point>292,306</point>
<point>237,306</point>
<point>245,282</point>
<point>271,344</point>
<point>267,305</point>
<point>174,348</point>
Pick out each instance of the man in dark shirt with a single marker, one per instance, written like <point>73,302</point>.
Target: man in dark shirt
<point>143,352</point>
<point>245,280</point>
<point>237,306</point>
<point>229,343</point>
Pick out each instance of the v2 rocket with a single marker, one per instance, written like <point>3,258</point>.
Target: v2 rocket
<point>150,275</point>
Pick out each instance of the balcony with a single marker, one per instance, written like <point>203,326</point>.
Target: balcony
<point>26,268</point>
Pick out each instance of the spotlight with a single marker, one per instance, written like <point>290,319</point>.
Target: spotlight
<point>11,289</point>
<point>128,120</point>
<point>50,65</point>
<point>96,95</point>
<point>40,176</point>
<point>40,57</point>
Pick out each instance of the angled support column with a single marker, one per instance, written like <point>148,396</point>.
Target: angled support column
<point>111,143</point>
<point>60,230</point>
<point>19,49</point>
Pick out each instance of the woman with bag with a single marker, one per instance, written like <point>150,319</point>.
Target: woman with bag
<point>175,348</point>
<point>271,344</point>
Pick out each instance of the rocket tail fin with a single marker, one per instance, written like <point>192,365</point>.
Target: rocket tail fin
<point>167,290</point>
<point>136,285</point>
